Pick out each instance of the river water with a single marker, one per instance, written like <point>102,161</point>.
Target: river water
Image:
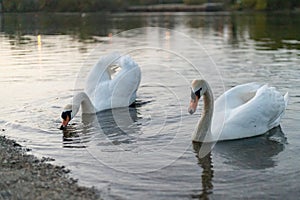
<point>146,151</point>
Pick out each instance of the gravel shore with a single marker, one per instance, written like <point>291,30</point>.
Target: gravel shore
<point>23,176</point>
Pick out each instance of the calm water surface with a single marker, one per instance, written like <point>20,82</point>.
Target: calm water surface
<point>146,151</point>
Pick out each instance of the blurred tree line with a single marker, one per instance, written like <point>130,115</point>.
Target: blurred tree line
<point>115,5</point>
<point>266,4</point>
<point>61,5</point>
<point>75,5</point>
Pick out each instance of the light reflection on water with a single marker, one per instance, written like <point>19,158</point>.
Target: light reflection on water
<point>146,151</point>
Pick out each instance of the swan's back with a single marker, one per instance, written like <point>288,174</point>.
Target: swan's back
<point>236,96</point>
<point>250,110</point>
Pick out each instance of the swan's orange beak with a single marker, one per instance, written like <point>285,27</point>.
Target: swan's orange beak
<point>193,105</point>
<point>64,123</point>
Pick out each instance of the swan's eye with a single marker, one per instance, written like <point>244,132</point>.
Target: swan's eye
<point>194,94</point>
<point>197,93</point>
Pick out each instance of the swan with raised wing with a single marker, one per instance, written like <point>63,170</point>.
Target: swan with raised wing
<point>243,111</point>
<point>112,82</point>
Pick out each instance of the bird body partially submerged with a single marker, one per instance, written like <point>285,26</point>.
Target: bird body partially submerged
<point>243,111</point>
<point>111,83</point>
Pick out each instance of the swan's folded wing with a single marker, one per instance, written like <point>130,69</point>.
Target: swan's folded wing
<point>258,115</point>
<point>236,96</point>
<point>125,84</point>
<point>100,72</point>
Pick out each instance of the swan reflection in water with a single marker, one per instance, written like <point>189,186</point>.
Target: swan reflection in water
<point>253,153</point>
<point>205,162</point>
<point>118,125</point>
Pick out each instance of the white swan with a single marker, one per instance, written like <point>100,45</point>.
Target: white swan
<point>111,83</point>
<point>243,111</point>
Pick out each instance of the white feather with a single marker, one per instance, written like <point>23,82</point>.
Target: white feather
<point>245,111</point>
<point>110,87</point>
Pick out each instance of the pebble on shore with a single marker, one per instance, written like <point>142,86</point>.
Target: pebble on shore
<point>24,176</point>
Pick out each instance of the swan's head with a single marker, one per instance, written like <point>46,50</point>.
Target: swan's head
<point>66,116</point>
<point>197,90</point>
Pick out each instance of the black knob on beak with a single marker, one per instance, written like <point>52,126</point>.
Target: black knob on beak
<point>62,127</point>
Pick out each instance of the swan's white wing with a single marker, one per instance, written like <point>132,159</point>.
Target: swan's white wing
<point>236,96</point>
<point>121,90</point>
<point>228,101</point>
<point>100,73</point>
<point>125,84</point>
<point>256,116</point>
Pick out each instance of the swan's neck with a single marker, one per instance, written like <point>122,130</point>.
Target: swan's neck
<point>204,125</point>
<point>81,99</point>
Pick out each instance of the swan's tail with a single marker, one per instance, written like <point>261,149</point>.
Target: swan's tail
<point>284,103</point>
